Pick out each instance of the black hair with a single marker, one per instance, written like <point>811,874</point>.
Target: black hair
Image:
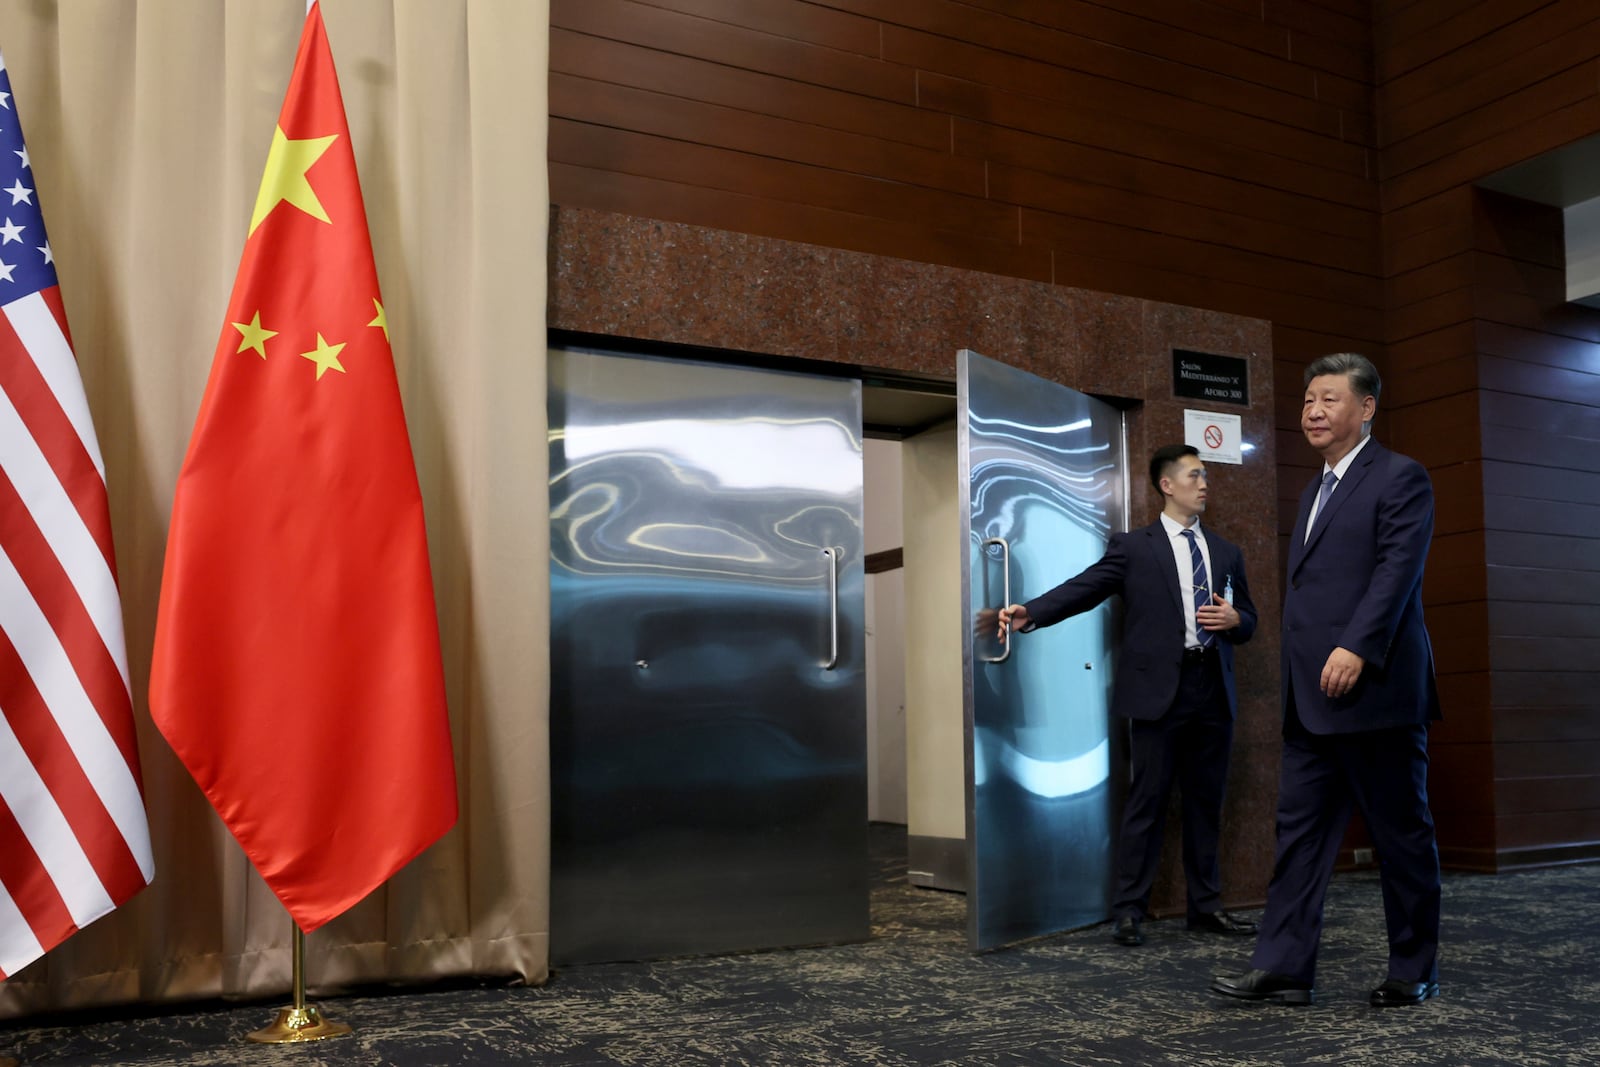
<point>1164,458</point>
<point>1363,376</point>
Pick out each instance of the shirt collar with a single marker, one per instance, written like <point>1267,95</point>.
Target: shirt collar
<point>1175,528</point>
<point>1343,465</point>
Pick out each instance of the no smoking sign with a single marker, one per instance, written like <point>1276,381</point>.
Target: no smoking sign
<point>1216,434</point>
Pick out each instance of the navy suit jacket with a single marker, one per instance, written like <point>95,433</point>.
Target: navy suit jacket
<point>1357,584</point>
<point>1140,565</point>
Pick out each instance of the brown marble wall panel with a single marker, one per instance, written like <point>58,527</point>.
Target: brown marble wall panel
<point>1243,507</point>
<point>1113,331</point>
<point>638,278</point>
<point>903,315</point>
<point>747,293</point>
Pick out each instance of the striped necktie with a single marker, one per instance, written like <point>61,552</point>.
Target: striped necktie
<point>1202,589</point>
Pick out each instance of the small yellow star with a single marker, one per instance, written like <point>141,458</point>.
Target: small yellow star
<point>325,356</point>
<point>382,321</point>
<point>285,177</point>
<point>254,335</point>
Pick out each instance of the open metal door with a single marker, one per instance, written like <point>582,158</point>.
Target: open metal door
<point>707,730</point>
<point>1045,477</point>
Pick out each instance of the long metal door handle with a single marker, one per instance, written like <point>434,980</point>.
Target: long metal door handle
<point>1005,595</point>
<point>833,609</point>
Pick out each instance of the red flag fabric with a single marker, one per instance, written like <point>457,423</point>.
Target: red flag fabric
<point>74,843</point>
<point>297,670</point>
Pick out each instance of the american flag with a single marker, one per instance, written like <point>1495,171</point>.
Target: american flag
<point>74,842</point>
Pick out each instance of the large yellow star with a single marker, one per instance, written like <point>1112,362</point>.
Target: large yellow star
<point>285,177</point>
<point>325,356</point>
<point>382,321</point>
<point>254,335</point>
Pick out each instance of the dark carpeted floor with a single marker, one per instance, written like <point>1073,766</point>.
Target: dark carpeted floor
<point>1520,976</point>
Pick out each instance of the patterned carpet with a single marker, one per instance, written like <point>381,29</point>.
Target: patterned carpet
<point>1520,975</point>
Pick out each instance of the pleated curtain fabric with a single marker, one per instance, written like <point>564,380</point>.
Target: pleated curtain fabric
<point>149,121</point>
<point>74,841</point>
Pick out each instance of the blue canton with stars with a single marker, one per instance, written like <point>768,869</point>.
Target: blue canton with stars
<point>26,263</point>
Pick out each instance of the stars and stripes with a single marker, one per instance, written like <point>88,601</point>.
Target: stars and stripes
<point>73,838</point>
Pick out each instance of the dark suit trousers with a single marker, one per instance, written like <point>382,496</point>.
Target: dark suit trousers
<point>1382,773</point>
<point>1188,744</point>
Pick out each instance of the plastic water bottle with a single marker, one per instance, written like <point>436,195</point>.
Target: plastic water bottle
<point>1227,589</point>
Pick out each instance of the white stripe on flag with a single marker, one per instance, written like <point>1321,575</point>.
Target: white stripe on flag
<point>63,693</point>
<point>53,512</point>
<point>18,946</point>
<point>52,353</point>
<point>48,831</point>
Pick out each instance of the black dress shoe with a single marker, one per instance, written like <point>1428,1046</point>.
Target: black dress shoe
<point>1220,922</point>
<point>1263,985</point>
<point>1127,931</point>
<point>1398,993</point>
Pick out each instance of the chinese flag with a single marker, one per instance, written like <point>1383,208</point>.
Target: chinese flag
<point>297,670</point>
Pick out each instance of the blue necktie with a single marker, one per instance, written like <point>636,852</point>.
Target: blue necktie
<point>1329,480</point>
<point>1202,589</point>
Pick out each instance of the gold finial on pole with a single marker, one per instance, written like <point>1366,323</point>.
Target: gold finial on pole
<point>300,1022</point>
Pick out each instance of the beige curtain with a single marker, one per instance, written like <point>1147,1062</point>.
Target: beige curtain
<point>148,123</point>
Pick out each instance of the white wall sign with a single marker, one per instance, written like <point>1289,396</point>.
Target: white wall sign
<point>1217,435</point>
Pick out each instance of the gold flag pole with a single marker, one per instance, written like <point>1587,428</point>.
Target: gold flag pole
<point>300,1022</point>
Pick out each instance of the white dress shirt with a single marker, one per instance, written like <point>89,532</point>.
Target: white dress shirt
<point>1185,565</point>
<point>1338,470</point>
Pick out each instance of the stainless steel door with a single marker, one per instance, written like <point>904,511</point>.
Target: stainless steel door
<point>1044,470</point>
<point>708,740</point>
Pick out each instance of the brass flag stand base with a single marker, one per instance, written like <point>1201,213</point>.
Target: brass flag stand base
<point>300,1022</point>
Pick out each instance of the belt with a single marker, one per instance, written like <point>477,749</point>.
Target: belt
<point>1198,654</point>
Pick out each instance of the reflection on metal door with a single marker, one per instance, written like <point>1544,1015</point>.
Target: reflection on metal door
<point>1044,471</point>
<point>708,741</point>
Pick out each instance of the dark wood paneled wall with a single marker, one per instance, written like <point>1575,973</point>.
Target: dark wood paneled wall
<point>1219,155</point>
<point>1495,384</point>
<point>1304,161</point>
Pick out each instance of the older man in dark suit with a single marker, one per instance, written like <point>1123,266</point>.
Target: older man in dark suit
<point>1187,603</point>
<point>1358,695</point>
